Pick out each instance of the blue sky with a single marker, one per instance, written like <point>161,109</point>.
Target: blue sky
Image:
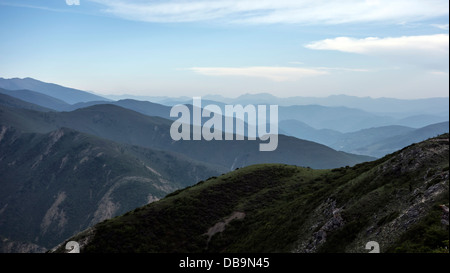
<point>376,48</point>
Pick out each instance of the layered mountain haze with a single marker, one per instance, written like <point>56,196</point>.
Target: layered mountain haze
<point>70,159</point>
<point>66,94</point>
<point>398,201</point>
<point>13,102</point>
<point>326,119</point>
<point>376,141</point>
<point>36,98</point>
<point>130,127</point>
<point>390,105</point>
<point>392,142</point>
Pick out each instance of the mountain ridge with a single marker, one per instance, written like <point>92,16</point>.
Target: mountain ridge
<point>66,94</point>
<point>395,201</point>
<point>130,127</point>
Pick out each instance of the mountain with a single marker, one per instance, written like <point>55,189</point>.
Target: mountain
<point>37,98</point>
<point>338,113</point>
<point>351,141</point>
<point>376,141</point>
<point>143,107</point>
<point>68,95</point>
<point>126,126</point>
<point>302,130</point>
<point>432,106</point>
<point>59,183</point>
<point>51,103</point>
<point>400,202</point>
<point>333,119</point>
<point>13,102</point>
<point>418,121</point>
<point>391,143</point>
<point>341,119</point>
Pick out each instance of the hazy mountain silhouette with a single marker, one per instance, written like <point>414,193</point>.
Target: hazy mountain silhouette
<point>130,127</point>
<point>37,99</point>
<point>68,95</point>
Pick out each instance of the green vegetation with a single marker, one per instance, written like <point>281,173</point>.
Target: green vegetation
<point>428,235</point>
<point>287,207</point>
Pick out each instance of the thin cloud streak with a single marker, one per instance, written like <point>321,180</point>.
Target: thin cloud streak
<point>280,11</point>
<point>18,5</point>
<point>277,74</point>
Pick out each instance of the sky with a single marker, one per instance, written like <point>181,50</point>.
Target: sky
<point>314,48</point>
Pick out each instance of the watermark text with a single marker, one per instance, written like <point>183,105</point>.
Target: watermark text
<point>234,117</point>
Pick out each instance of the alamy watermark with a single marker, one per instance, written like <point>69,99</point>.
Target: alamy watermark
<point>72,247</point>
<point>234,116</point>
<point>373,246</point>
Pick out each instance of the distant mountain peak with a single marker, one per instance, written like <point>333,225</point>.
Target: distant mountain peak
<point>257,95</point>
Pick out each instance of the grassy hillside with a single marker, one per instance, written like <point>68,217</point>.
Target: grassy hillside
<point>283,208</point>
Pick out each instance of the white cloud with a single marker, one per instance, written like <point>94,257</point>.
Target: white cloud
<point>430,51</point>
<point>437,43</point>
<point>277,11</point>
<point>278,74</point>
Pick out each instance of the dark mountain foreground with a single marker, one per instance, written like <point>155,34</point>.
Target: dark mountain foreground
<point>399,201</point>
<point>57,184</point>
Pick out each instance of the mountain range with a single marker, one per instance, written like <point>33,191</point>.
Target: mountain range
<point>352,130</point>
<point>126,126</point>
<point>70,159</point>
<point>63,171</point>
<point>433,106</point>
<point>375,141</point>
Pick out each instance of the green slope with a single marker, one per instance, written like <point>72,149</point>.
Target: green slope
<point>282,208</point>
